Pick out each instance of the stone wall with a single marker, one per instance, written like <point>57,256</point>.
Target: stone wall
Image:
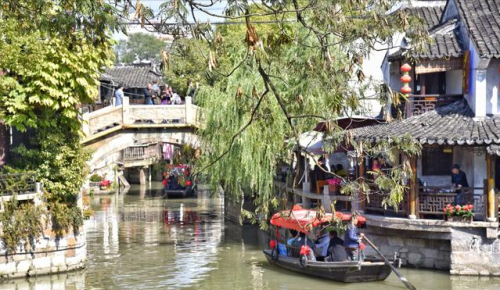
<point>462,248</point>
<point>50,256</point>
<point>417,250</point>
<point>473,253</point>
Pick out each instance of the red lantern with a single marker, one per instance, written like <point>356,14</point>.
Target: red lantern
<point>188,183</point>
<point>405,68</point>
<point>406,79</point>
<point>305,251</point>
<point>272,244</point>
<point>406,90</point>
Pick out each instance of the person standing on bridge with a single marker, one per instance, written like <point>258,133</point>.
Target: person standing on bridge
<point>119,96</point>
<point>148,95</point>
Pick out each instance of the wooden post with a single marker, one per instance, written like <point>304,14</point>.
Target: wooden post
<point>361,197</point>
<point>491,189</point>
<point>125,111</point>
<point>413,188</point>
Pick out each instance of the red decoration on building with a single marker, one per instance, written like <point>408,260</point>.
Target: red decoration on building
<point>406,79</point>
<point>406,90</point>
<point>405,68</point>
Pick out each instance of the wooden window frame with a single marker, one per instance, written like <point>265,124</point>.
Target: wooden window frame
<point>436,165</point>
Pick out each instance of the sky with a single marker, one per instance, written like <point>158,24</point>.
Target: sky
<point>218,8</point>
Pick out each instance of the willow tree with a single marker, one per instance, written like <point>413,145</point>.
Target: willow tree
<point>281,67</point>
<point>51,54</point>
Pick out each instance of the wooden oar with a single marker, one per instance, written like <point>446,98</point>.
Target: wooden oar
<point>400,276</point>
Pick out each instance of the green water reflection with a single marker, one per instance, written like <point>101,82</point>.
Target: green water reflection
<point>138,241</point>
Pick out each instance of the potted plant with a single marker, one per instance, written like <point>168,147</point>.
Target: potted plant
<point>334,185</point>
<point>464,213</point>
<point>104,184</point>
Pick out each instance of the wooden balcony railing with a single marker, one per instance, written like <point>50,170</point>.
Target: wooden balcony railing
<point>11,184</point>
<point>431,202</point>
<point>420,104</point>
<point>374,204</point>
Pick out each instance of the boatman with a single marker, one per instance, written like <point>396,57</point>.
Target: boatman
<point>352,239</point>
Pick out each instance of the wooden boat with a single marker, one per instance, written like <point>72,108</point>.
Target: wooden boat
<point>302,220</point>
<point>348,271</point>
<point>178,193</point>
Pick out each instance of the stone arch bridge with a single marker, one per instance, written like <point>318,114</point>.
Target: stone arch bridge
<point>131,135</point>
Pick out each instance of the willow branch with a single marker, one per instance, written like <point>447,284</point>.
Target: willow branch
<point>242,129</point>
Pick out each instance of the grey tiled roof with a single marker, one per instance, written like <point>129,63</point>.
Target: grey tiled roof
<point>444,42</point>
<point>482,20</point>
<point>452,124</point>
<point>430,15</point>
<point>131,76</point>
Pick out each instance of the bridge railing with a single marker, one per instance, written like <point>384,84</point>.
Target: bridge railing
<point>141,152</point>
<point>109,119</point>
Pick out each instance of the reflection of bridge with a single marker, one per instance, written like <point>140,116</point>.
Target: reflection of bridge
<point>134,132</point>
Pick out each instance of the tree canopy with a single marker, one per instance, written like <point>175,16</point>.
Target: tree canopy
<point>51,55</point>
<point>139,46</point>
<point>278,68</point>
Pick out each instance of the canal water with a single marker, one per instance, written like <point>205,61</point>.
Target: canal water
<point>137,240</point>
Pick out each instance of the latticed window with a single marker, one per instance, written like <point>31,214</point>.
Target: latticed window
<point>437,160</point>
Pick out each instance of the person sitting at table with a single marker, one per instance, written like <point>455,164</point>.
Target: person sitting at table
<point>320,169</point>
<point>319,172</point>
<point>376,169</point>
<point>458,181</point>
<point>341,171</point>
<point>384,166</point>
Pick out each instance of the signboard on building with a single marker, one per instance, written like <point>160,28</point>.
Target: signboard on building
<point>466,72</point>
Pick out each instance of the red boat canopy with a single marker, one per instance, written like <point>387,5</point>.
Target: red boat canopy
<point>304,220</point>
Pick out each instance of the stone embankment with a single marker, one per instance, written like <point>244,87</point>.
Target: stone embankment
<point>51,255</point>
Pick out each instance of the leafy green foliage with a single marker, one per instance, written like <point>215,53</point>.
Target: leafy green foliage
<point>21,226</point>
<point>58,159</point>
<point>64,218</point>
<point>51,55</point>
<point>51,60</point>
<point>139,46</point>
<point>187,61</point>
<point>267,83</point>
<point>95,178</point>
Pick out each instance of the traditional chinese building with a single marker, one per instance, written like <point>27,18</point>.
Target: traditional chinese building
<point>453,110</point>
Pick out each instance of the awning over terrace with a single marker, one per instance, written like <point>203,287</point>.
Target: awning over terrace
<point>453,124</point>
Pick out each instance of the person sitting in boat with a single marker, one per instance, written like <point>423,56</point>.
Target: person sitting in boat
<point>352,239</point>
<point>294,234</point>
<point>336,250</point>
<point>302,240</point>
<point>322,243</point>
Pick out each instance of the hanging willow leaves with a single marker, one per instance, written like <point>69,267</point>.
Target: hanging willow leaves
<point>278,70</point>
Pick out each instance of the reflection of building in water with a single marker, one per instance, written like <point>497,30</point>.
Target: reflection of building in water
<point>72,280</point>
<point>106,221</point>
<point>179,239</point>
<point>194,245</point>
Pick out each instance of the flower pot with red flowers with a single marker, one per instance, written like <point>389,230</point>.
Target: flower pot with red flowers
<point>458,213</point>
<point>103,185</point>
<point>334,185</point>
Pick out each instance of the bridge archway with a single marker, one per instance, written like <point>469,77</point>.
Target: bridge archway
<point>106,151</point>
